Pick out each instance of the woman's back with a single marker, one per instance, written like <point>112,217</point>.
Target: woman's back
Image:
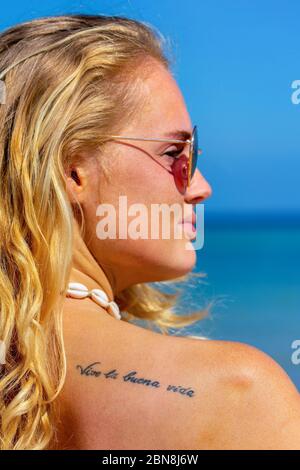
<point>130,388</point>
<point>144,397</point>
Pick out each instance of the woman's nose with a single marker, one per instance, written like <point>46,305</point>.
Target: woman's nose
<point>199,189</point>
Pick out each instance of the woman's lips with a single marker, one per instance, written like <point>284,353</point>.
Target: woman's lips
<point>189,225</point>
<point>190,220</point>
<point>189,230</point>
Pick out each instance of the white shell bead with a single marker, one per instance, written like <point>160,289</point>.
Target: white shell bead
<point>77,290</point>
<point>78,286</point>
<point>100,297</point>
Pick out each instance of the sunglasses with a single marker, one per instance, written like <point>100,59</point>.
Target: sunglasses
<point>182,168</point>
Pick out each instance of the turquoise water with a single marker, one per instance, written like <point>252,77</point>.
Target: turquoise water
<point>253,271</point>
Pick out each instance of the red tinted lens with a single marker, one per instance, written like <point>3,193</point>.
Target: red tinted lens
<point>194,151</point>
<point>180,173</point>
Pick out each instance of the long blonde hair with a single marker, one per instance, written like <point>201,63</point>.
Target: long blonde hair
<point>68,79</point>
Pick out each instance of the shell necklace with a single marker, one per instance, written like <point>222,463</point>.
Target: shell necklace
<point>80,291</point>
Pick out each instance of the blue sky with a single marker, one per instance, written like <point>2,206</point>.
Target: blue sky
<point>235,63</point>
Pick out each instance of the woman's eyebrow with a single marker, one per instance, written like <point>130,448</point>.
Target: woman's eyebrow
<point>179,135</point>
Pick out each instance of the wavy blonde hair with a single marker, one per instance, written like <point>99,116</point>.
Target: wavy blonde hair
<point>68,79</point>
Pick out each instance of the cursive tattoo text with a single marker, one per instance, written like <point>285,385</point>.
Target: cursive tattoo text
<point>93,370</point>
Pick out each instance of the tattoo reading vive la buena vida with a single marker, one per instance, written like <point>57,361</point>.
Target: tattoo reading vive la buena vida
<point>131,377</point>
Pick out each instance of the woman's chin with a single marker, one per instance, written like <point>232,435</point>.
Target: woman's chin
<point>186,258</point>
<point>181,262</point>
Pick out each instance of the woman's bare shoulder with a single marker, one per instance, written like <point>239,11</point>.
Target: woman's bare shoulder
<point>130,387</point>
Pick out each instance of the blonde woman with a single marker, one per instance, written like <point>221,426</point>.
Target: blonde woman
<point>90,115</point>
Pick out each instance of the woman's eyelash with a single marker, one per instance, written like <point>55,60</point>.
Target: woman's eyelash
<point>174,153</point>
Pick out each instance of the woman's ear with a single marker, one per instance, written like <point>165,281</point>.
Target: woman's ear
<point>81,174</point>
<point>75,183</point>
<point>75,177</point>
